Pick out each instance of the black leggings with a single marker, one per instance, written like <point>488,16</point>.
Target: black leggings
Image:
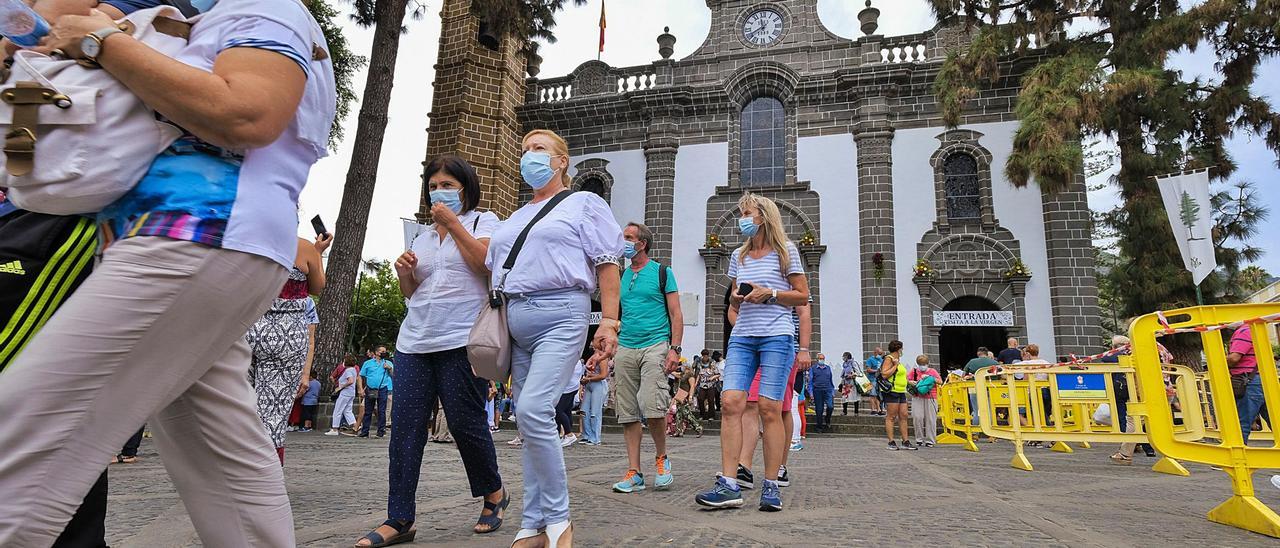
<point>564,415</point>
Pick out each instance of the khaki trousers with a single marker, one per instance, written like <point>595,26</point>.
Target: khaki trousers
<point>155,335</point>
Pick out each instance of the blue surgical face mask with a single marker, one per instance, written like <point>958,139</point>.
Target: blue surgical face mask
<point>748,227</point>
<point>535,168</point>
<point>203,5</point>
<point>629,249</point>
<point>452,199</point>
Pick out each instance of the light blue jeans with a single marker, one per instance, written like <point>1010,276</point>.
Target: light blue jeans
<point>593,404</point>
<point>549,331</point>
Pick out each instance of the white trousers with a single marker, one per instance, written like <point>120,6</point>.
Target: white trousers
<point>795,419</point>
<point>342,409</point>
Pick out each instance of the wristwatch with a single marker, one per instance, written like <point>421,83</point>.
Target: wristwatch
<point>774,298</point>
<point>91,44</point>
<point>677,348</point>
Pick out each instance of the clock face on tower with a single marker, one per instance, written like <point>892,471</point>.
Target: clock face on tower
<point>762,28</point>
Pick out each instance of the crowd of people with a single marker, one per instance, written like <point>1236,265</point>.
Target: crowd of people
<point>198,320</point>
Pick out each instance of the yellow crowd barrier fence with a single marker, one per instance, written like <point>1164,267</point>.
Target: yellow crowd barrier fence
<point>1237,458</point>
<point>1057,404</point>
<point>955,414</point>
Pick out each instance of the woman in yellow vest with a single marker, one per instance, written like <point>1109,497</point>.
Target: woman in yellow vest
<point>894,396</point>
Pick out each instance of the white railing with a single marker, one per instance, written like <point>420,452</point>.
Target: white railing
<point>906,53</point>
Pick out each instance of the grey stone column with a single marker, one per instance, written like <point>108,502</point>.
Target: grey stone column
<point>1073,286</point>
<point>874,136</point>
<point>660,147</point>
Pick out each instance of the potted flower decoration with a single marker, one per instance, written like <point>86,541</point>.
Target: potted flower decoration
<point>877,261</point>
<point>808,239</point>
<point>713,241</point>
<point>923,270</point>
<point>1018,270</point>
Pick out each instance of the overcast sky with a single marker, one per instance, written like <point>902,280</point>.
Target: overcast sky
<point>633,26</point>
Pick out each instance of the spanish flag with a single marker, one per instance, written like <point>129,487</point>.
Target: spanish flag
<point>601,29</point>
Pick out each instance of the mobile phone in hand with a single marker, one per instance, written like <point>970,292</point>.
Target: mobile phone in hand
<point>318,224</point>
<point>744,289</point>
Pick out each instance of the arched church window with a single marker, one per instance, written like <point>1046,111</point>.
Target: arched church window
<point>595,185</point>
<point>961,186</point>
<point>763,142</point>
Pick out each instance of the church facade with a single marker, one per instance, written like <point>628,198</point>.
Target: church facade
<point>907,229</point>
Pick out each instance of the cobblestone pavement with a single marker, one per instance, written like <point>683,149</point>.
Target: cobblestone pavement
<point>845,491</point>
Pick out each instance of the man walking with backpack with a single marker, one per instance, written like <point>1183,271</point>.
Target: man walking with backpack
<point>648,349</point>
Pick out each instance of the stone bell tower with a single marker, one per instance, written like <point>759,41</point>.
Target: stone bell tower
<point>479,83</point>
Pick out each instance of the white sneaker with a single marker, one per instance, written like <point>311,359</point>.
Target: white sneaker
<point>516,441</point>
<point>569,440</point>
<point>331,433</point>
<point>1275,480</point>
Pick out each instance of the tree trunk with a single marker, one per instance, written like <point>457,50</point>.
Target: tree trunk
<point>357,194</point>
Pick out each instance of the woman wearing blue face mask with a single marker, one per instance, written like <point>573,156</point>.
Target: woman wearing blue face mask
<point>769,267</point>
<point>444,277</point>
<point>575,247</point>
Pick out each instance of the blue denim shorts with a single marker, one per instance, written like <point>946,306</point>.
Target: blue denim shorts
<point>773,356</point>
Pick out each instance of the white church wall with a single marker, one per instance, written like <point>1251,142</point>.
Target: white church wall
<point>699,170</point>
<point>1018,210</point>
<point>627,196</point>
<point>913,215</point>
<point>829,164</point>
<point>1021,211</point>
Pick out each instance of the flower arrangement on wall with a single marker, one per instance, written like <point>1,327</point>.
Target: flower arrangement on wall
<point>877,263</point>
<point>713,241</point>
<point>808,238</point>
<point>923,270</point>
<point>1018,269</point>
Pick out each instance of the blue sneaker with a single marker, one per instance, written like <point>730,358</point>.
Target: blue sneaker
<point>770,497</point>
<point>634,481</point>
<point>724,495</point>
<point>664,479</point>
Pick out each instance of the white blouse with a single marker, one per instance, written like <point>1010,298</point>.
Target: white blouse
<point>449,295</point>
<point>563,249</point>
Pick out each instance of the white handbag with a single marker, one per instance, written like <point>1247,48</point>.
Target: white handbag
<point>76,139</point>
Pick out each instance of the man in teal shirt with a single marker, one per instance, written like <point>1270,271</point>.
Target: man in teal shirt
<point>376,375</point>
<point>648,349</point>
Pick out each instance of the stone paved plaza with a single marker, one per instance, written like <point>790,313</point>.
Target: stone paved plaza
<point>845,491</point>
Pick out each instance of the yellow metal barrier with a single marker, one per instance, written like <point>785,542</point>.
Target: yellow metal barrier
<point>1211,423</point>
<point>1239,460</point>
<point>1074,394</point>
<point>955,413</point>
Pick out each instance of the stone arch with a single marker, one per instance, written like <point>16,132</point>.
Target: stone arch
<point>591,172</point>
<point>969,256</point>
<point>762,78</point>
<point>963,141</point>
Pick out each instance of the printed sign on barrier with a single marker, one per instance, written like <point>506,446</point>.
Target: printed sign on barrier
<point>1082,386</point>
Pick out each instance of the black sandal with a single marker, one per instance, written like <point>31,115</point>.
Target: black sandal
<point>404,533</point>
<point>493,520</point>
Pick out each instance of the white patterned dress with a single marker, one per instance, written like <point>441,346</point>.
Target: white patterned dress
<point>279,344</point>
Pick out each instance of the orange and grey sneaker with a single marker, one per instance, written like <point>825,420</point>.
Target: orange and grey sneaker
<point>633,481</point>
<point>664,478</point>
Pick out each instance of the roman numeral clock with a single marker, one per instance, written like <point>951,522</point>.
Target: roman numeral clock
<point>763,27</point>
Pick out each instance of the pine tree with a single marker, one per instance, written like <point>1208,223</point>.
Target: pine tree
<point>1112,83</point>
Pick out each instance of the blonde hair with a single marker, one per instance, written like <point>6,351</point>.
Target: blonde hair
<point>770,228</point>
<point>922,360</point>
<point>559,146</point>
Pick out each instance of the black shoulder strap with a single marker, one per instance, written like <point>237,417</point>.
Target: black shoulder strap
<point>475,224</point>
<point>515,248</point>
<point>662,280</point>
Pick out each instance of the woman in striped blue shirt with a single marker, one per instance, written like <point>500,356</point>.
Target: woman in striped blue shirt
<point>770,281</point>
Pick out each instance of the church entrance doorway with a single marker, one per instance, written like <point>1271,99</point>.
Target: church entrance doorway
<point>957,344</point>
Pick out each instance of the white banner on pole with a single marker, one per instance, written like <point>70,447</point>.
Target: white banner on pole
<point>1186,200</point>
<point>411,230</point>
